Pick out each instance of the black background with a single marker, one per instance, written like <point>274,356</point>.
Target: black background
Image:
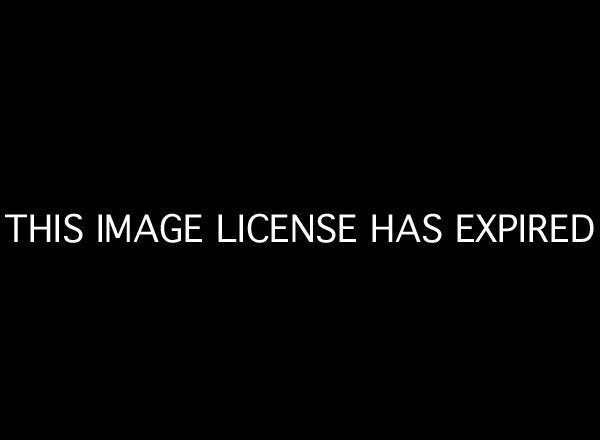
<point>386,112</point>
